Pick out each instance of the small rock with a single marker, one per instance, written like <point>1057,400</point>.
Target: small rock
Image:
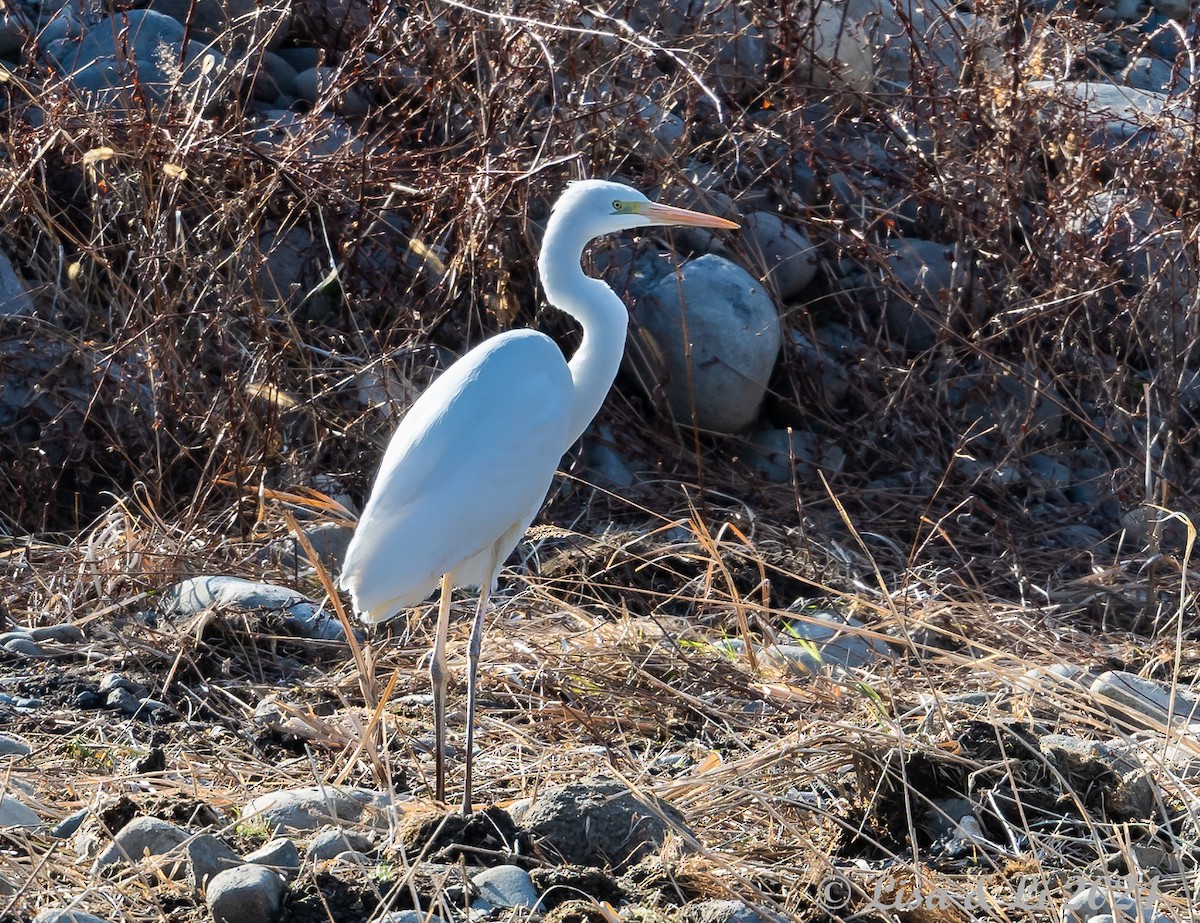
<point>15,814</point>
<point>504,886</point>
<point>312,808</point>
<point>246,894</point>
<point>279,854</point>
<point>785,258</point>
<point>1143,701</point>
<point>66,827</point>
<point>714,910</point>
<point>25,646</point>
<point>63,633</point>
<point>1104,773</point>
<point>733,340</point>
<point>111,681</point>
<point>140,837</point>
<point>208,857</point>
<point>1045,679</point>
<point>410,916</point>
<point>783,454</point>
<point>330,85</point>
<point>14,300</point>
<point>840,639</point>
<point>1089,904</point>
<point>331,841</point>
<point>600,820</point>
<point>122,700</point>
<point>67,915</point>
<point>12,745</point>
<point>302,615</point>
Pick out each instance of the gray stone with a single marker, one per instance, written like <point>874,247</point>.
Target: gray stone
<point>143,836</point>
<point>24,646</point>
<point>208,857</point>
<point>1144,702</point>
<point>63,633</point>
<point>784,258</point>
<point>246,894</point>
<point>66,828</point>
<point>1093,903</point>
<point>600,820</point>
<point>504,886</point>
<point>821,362</point>
<point>14,31</point>
<point>122,700</point>
<point>781,454</point>
<point>12,745</point>
<point>1117,114</point>
<point>67,915</point>
<point>279,854</point>
<point>111,681</point>
<point>839,638</point>
<point>918,287</point>
<point>1108,774</point>
<point>323,86</point>
<point>232,24</point>
<point>14,300</point>
<point>14,813</point>
<point>312,808</point>
<point>607,467</point>
<point>282,74</point>
<point>1047,678</point>
<point>715,910</point>
<point>302,615</point>
<point>329,541</point>
<point>410,916</point>
<point>129,59</point>
<point>332,841</point>
<point>732,343</point>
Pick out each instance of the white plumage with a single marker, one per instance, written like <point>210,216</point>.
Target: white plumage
<point>470,463</point>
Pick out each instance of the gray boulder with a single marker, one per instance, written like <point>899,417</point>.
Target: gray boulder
<point>302,615</point>
<point>132,58</point>
<point>732,341</point>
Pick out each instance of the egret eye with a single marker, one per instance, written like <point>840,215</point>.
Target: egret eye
<point>618,205</point>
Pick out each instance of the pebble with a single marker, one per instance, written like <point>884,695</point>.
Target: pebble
<point>246,894</point>
<point>715,910</point>
<point>326,85</point>
<point>504,886</point>
<point>208,857</point>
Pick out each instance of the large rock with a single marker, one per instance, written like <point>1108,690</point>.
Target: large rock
<point>144,836</point>
<point>600,820</point>
<point>722,365</point>
<point>131,59</point>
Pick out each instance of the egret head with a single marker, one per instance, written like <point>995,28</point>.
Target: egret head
<point>599,207</point>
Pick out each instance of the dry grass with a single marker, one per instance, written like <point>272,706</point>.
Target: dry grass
<point>184,389</point>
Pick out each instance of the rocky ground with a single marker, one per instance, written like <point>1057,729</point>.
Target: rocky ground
<point>869,596</point>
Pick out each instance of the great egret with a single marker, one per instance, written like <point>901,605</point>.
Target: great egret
<point>470,463</point>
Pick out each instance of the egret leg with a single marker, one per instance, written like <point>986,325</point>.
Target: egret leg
<point>438,677</point>
<point>476,644</point>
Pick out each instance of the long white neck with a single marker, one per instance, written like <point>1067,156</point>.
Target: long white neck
<point>599,311</point>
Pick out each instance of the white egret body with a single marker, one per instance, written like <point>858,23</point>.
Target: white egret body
<point>470,463</point>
